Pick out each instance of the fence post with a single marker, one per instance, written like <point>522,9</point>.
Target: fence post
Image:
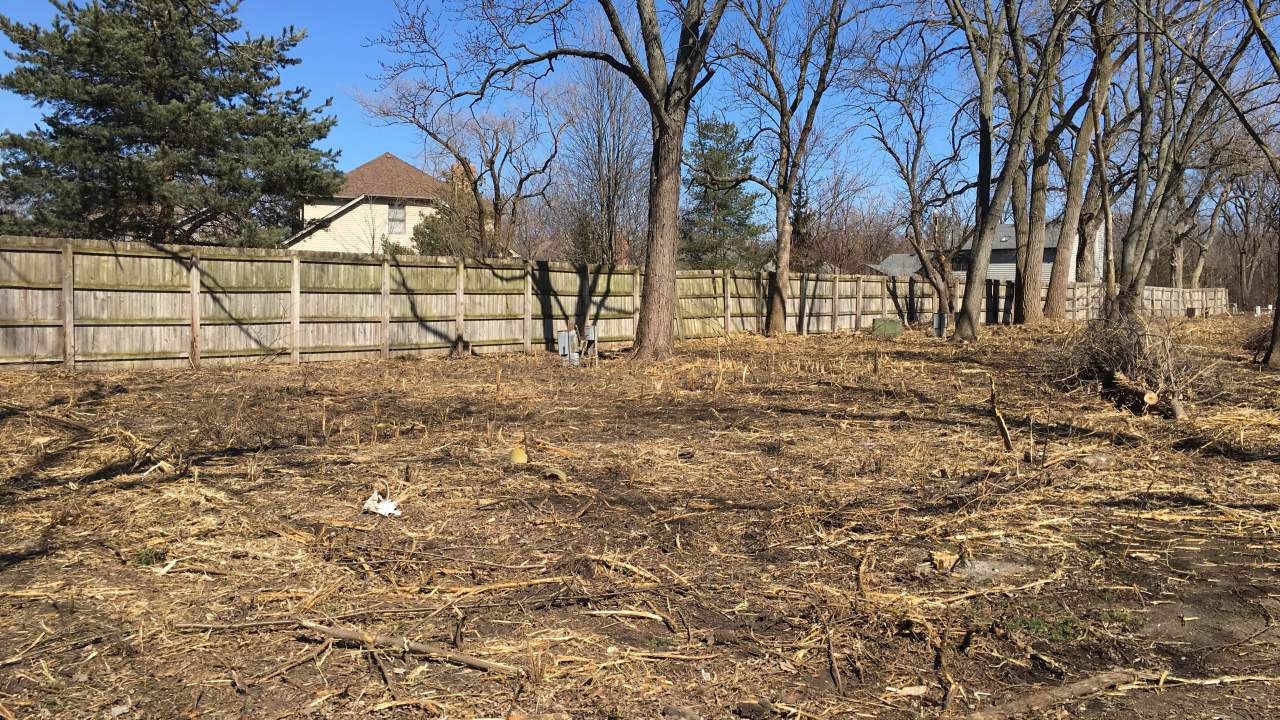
<point>884,296</point>
<point>635,303</point>
<point>803,310</point>
<point>835,302</point>
<point>724,291</point>
<point>69,306</point>
<point>386,308</point>
<point>857,302</point>
<point>295,309</point>
<point>679,316</point>
<point>762,297</point>
<point>460,306</point>
<point>526,331</point>
<point>193,275</point>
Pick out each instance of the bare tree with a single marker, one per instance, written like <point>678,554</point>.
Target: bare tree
<point>839,226</point>
<point>1203,240</point>
<point>792,54</point>
<point>902,105</point>
<point>605,165</point>
<point>1103,41</point>
<point>1178,110</point>
<point>1252,219</point>
<point>500,156</point>
<point>1030,82</point>
<point>503,44</point>
<point>990,31</point>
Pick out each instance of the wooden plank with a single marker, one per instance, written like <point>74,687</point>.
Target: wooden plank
<point>635,302</point>
<point>762,300</point>
<point>857,303</point>
<point>835,302</point>
<point>295,310</point>
<point>193,273</point>
<point>724,283</point>
<point>802,308</point>
<point>69,306</point>
<point>386,309</point>
<point>884,296</point>
<point>460,306</point>
<point>527,329</point>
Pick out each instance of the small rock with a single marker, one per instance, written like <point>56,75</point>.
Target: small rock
<point>723,636</point>
<point>674,712</point>
<point>1095,461</point>
<point>754,709</point>
<point>910,691</point>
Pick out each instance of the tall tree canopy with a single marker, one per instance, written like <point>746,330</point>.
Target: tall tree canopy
<point>718,228</point>
<point>160,126</point>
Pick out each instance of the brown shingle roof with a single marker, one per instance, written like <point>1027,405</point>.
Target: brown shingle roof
<point>389,176</point>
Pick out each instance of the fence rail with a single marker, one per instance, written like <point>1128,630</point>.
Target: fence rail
<point>119,304</point>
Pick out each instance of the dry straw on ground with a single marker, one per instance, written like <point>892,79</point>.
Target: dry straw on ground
<point>808,527</point>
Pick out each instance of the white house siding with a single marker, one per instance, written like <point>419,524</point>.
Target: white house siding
<point>1004,242</point>
<point>362,229</point>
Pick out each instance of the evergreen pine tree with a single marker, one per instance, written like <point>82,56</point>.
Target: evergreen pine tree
<point>718,227</point>
<point>159,126</point>
<point>802,227</point>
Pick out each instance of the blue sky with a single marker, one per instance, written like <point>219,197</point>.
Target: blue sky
<point>336,62</point>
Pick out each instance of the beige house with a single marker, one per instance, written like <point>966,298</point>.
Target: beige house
<point>380,203</point>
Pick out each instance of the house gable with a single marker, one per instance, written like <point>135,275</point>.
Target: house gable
<point>367,212</point>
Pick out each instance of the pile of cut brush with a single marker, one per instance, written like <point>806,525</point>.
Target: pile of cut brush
<point>1138,364</point>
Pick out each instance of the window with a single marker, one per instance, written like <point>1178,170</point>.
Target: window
<point>395,220</point>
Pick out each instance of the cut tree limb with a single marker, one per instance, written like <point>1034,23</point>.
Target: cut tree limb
<point>1123,391</point>
<point>1119,680</point>
<point>1001,426</point>
<point>1052,696</point>
<point>407,645</point>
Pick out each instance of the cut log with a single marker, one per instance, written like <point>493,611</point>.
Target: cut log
<point>1125,393</point>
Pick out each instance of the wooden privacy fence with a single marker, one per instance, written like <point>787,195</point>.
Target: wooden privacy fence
<point>112,304</point>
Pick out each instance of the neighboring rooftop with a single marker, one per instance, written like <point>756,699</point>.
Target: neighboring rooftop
<point>389,176</point>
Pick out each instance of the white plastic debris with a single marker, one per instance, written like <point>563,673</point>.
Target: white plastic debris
<point>386,507</point>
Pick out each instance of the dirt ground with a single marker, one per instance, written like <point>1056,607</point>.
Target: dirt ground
<point>812,527</point>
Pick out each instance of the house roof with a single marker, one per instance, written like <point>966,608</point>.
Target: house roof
<point>390,177</point>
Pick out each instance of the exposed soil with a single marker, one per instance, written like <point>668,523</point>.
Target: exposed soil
<point>757,528</point>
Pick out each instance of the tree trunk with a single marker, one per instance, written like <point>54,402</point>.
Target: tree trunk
<point>1272,357</point>
<point>780,280</point>
<point>1029,307</point>
<point>1177,263</point>
<point>1021,228</point>
<point>987,212</point>
<point>1069,229</point>
<point>937,279</point>
<point>1197,269</point>
<point>1075,236</point>
<point>1086,270</point>
<point>655,334</point>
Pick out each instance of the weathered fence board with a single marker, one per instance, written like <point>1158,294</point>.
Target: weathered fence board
<point>103,304</point>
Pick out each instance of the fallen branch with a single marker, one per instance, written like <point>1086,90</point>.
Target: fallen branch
<point>1047,697</point>
<point>405,644</point>
<point>1121,680</point>
<point>371,640</point>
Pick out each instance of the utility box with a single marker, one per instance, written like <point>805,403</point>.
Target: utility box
<point>940,324</point>
<point>567,344</point>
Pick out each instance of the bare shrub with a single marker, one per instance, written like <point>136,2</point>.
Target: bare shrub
<point>1258,340</point>
<point>1138,363</point>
